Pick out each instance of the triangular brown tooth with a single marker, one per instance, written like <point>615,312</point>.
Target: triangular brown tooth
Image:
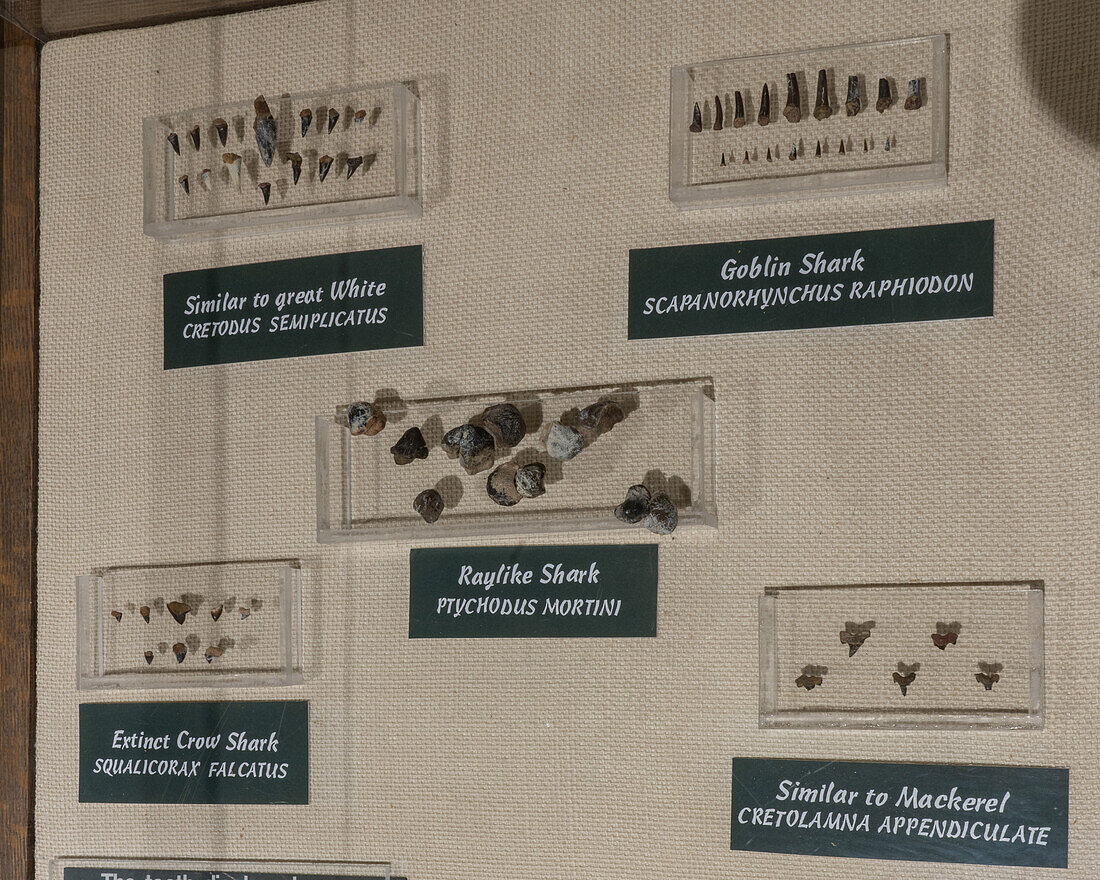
<point>738,110</point>
<point>841,150</point>
<point>244,612</point>
<point>149,656</point>
<point>719,113</point>
<point>817,152</point>
<point>221,127</point>
<point>174,140</point>
<point>745,161</point>
<point>769,154</point>
<point>333,116</point>
<point>765,115</point>
<point>353,163</point>
<point>696,119</point>
<point>233,163</point>
<point>212,652</point>
<point>323,166</point>
<point>195,136</point>
<point>179,611</point>
<point>295,160</point>
<point>217,612</point>
<point>144,612</point>
<point>180,650</point>
<point>360,115</point>
<point>265,189</point>
<point>822,110</point>
<point>117,615</point>
<point>184,184</point>
<point>306,117</point>
<point>793,110</point>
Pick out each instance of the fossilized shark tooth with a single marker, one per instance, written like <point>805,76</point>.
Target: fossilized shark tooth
<point>696,119</point>
<point>913,99</point>
<point>196,136</point>
<point>179,611</point>
<point>364,418</point>
<point>221,128</point>
<point>822,110</point>
<point>429,504</point>
<point>472,445</point>
<point>206,178</point>
<point>662,518</point>
<point>505,422</point>
<point>409,447</point>
<point>174,140</point>
<point>563,442</point>
<point>529,480</point>
<point>323,166</point>
<point>148,656</point>
<point>144,612</point>
<point>265,191</point>
<point>353,164</point>
<point>333,117</point>
<point>212,652</point>
<point>793,110</point>
<point>185,185</point>
<point>501,486</point>
<point>306,117</point>
<point>719,113</point>
<point>636,505</point>
<point>180,650</point>
<point>233,163</point>
<point>295,160</point>
<point>360,115</point>
<point>853,103</point>
<point>738,110</point>
<point>765,114</point>
<point>885,99</point>
<point>265,129</point>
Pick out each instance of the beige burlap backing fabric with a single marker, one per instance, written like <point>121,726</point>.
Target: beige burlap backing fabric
<point>937,451</point>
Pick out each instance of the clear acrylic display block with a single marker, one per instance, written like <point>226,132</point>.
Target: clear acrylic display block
<point>917,154</point>
<point>967,655</point>
<point>241,625</point>
<point>666,442</point>
<point>216,869</point>
<point>386,183</point>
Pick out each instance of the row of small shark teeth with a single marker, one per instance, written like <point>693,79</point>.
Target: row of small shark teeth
<point>814,676</point>
<point>233,163</point>
<point>180,610</point>
<point>221,127</point>
<point>793,111</point>
<point>795,151</point>
<point>179,649</point>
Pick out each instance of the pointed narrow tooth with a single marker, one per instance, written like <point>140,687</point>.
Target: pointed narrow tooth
<point>196,136</point>
<point>793,110</point>
<point>817,152</point>
<point>841,149</point>
<point>723,162</point>
<point>794,152</point>
<point>215,613</point>
<point>295,160</point>
<point>696,119</point>
<point>822,110</point>
<point>233,162</point>
<point>738,110</point>
<point>185,185</point>
<point>206,178</point>
<point>353,163</point>
<point>174,140</point>
<point>265,190</point>
<point>306,117</point>
<point>769,154</point>
<point>853,103</point>
<point>148,656</point>
<point>221,128</point>
<point>360,115</point>
<point>885,99</point>
<point>333,117</point>
<point>265,128</point>
<point>745,161</point>
<point>144,612</point>
<point>719,113</point>
<point>323,166</point>
<point>765,115</point>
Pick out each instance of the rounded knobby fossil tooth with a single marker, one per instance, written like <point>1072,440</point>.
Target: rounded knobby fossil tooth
<point>295,160</point>
<point>601,417</point>
<point>913,99</point>
<point>429,504</point>
<point>221,128</point>
<point>179,611</point>
<point>365,419</point>
<point>662,518</point>
<point>505,422</point>
<point>409,447</point>
<point>333,116</point>
<point>174,140</point>
<point>563,442</point>
<point>529,480</point>
<point>360,115</point>
<point>215,613</point>
<point>180,650</point>
<point>793,111</point>
<point>117,615</point>
<point>144,612</point>
<point>501,486</point>
<point>233,163</point>
<point>185,185</point>
<point>323,166</point>
<point>149,656</point>
<point>307,117</point>
<point>265,129</point>
<point>265,191</point>
<point>212,652</point>
<point>196,136</point>
<point>472,444</point>
<point>636,505</point>
<point>353,165</point>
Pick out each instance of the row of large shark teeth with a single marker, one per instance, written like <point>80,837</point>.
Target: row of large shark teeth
<point>853,102</point>
<point>233,162</point>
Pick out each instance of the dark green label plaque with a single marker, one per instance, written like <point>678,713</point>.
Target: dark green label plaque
<point>294,308</point>
<point>921,812</point>
<point>195,753</point>
<point>602,590</point>
<point>921,273</point>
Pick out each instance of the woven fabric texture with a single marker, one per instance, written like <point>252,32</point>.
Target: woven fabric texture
<point>950,451</point>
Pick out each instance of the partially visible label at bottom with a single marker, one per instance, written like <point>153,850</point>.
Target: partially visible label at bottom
<point>182,872</point>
